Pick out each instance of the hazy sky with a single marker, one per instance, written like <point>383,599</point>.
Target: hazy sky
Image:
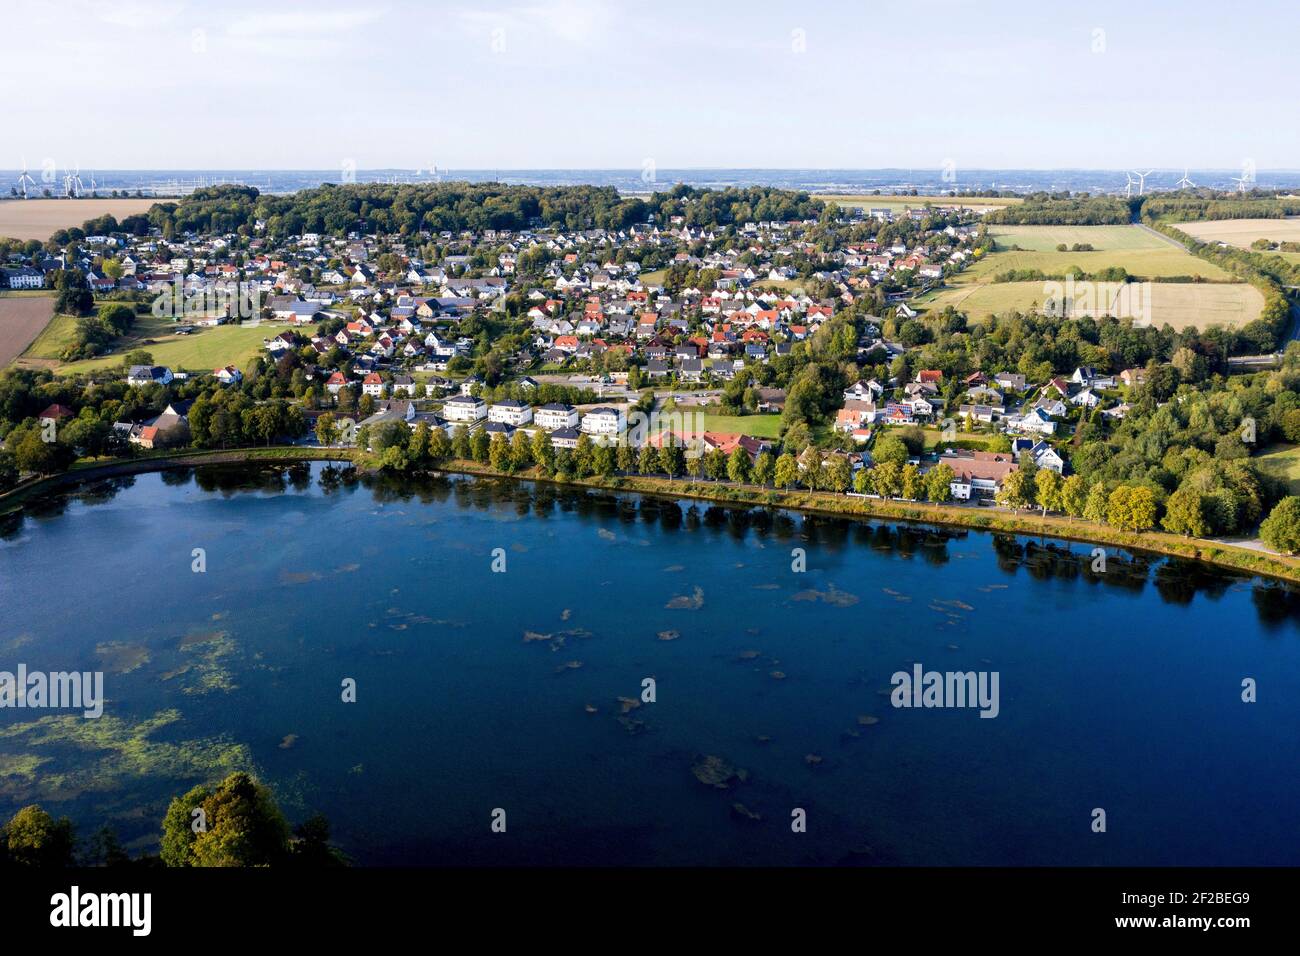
<point>155,84</point>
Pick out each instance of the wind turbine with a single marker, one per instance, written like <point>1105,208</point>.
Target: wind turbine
<point>1185,183</point>
<point>1142,181</point>
<point>1128,186</point>
<point>1241,182</point>
<point>24,179</point>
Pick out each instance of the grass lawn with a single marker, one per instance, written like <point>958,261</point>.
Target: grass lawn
<point>759,426</point>
<point>656,277</point>
<point>54,338</point>
<point>201,351</point>
<point>1282,462</point>
<point>934,438</point>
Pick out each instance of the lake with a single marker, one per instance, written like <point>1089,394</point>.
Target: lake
<point>521,688</point>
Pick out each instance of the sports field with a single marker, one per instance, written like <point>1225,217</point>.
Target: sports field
<point>41,218</point>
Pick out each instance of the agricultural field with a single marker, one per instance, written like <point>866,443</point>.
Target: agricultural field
<point>1282,462</point>
<point>1216,301</point>
<point>1128,247</point>
<point>201,351</point>
<point>1242,232</point>
<point>22,319</point>
<point>1200,305</point>
<point>1180,304</point>
<point>41,218</point>
<point>899,203</point>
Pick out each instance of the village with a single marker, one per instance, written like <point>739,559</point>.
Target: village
<point>565,331</point>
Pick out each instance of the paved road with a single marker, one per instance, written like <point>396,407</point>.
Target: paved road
<point>1161,236</point>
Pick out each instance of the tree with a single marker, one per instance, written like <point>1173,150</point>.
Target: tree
<point>1047,489</point>
<point>625,458</point>
<point>911,483</point>
<point>34,838</point>
<point>1131,508</point>
<point>1074,496</point>
<point>521,451</point>
<point>1094,509</point>
<point>838,474</point>
<point>479,446</point>
<point>1185,513</point>
<point>327,431</point>
<point>889,448</point>
<point>242,826</point>
<point>888,479</point>
<point>439,444</point>
<point>460,442</point>
<point>499,453</point>
<point>787,471</point>
<point>602,460</point>
<point>1281,529</point>
<point>938,482</point>
<point>738,466</point>
<point>863,482</point>
<point>671,458</point>
<point>648,460</point>
<point>1015,492</point>
<point>582,466</point>
<point>418,448</point>
<point>764,468</point>
<point>715,464</point>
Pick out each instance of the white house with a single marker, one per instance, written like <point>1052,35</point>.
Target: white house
<point>511,412</point>
<point>228,375</point>
<point>464,408</point>
<point>603,421</point>
<point>555,416</point>
<point>149,375</point>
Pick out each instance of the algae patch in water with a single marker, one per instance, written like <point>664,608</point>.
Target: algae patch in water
<point>62,756</point>
<point>205,667</point>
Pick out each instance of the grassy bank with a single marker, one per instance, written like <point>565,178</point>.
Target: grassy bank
<point>1064,528</point>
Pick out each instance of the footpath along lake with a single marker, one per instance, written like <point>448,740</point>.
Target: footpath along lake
<point>521,689</point>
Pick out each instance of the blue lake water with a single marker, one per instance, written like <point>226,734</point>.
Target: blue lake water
<point>475,689</point>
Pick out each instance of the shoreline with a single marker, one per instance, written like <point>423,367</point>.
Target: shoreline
<point>1227,556</point>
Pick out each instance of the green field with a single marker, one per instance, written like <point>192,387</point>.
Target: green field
<point>759,426</point>
<point>54,338</point>
<point>1282,462</point>
<point>201,351</point>
<point>656,277</point>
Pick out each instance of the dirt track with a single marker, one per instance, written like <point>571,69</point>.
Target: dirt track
<point>21,319</point>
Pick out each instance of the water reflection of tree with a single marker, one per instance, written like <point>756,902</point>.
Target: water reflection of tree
<point>1176,581</point>
<point>1277,604</point>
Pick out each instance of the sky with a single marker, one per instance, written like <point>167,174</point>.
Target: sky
<point>574,84</point>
